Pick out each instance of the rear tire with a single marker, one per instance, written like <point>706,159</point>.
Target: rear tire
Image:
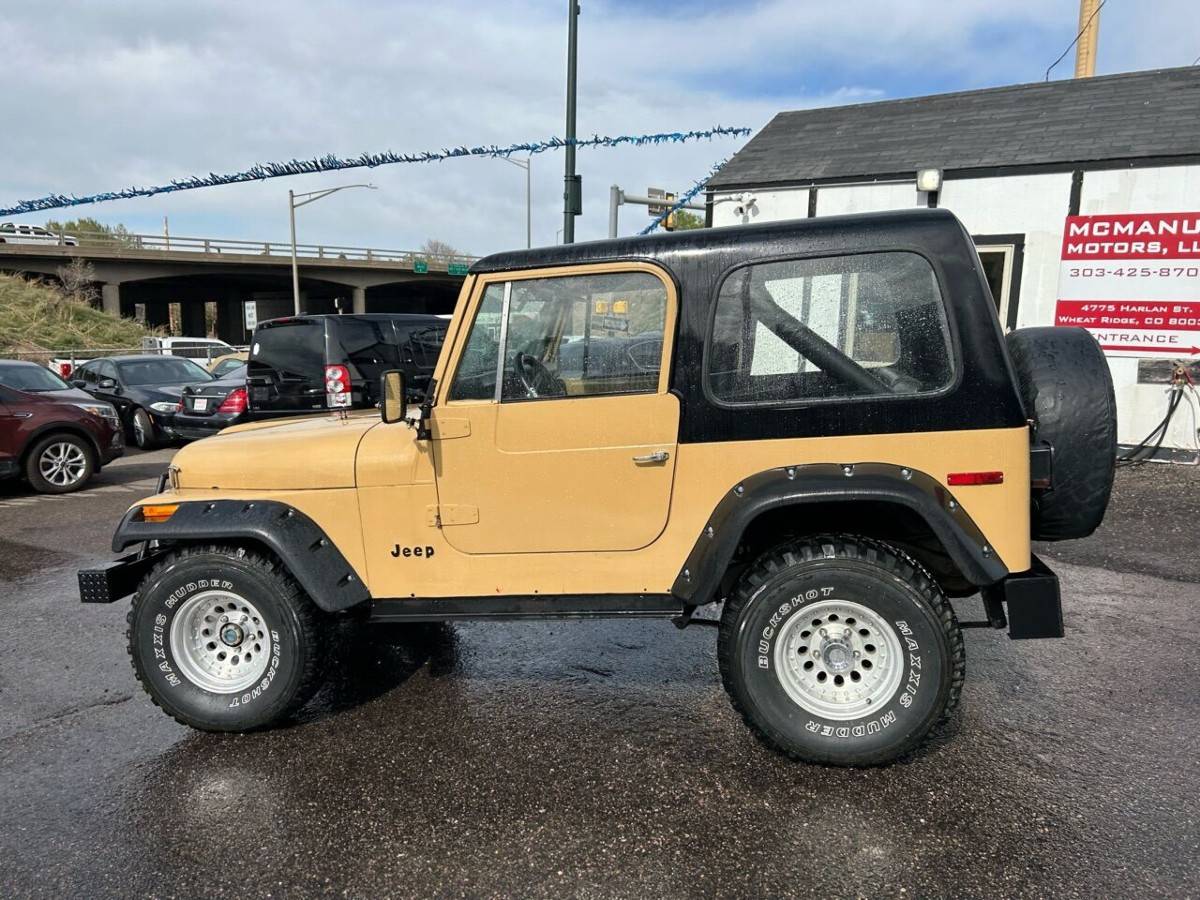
<point>840,650</point>
<point>1067,389</point>
<point>224,639</point>
<point>59,464</point>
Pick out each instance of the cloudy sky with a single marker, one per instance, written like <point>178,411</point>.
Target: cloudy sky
<point>104,94</point>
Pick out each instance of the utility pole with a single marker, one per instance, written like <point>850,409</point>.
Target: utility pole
<point>572,189</point>
<point>1089,36</point>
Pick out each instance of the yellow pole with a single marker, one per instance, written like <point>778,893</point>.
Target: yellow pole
<point>1089,35</point>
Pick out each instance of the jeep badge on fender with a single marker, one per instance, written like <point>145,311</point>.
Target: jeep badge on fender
<point>426,551</point>
<point>818,425</point>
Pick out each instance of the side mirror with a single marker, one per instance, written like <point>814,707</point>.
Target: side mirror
<point>106,384</point>
<point>79,383</point>
<point>394,396</point>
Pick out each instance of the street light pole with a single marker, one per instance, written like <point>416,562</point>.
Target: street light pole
<point>572,200</point>
<point>310,197</point>
<point>527,164</point>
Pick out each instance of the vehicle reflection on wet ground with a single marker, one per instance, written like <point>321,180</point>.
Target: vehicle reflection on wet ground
<point>592,758</point>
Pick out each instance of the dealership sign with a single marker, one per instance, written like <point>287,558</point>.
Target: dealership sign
<point>1134,282</point>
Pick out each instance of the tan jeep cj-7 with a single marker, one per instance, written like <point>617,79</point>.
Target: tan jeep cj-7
<point>819,424</point>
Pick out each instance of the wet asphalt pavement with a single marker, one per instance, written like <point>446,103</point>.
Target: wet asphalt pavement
<point>592,758</point>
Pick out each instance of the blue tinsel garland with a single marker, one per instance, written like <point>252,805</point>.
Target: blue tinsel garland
<point>369,160</point>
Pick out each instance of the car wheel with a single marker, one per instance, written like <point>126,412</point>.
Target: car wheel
<point>840,650</point>
<point>143,430</point>
<point>224,639</point>
<point>59,464</point>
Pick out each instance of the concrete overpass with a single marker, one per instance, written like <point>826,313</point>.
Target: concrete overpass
<point>141,275</point>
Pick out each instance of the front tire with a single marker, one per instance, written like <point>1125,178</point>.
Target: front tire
<point>840,650</point>
<point>143,430</point>
<point>224,639</point>
<point>59,464</point>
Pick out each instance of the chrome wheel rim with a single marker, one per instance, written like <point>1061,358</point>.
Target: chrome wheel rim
<point>220,642</point>
<point>139,433</point>
<point>62,464</point>
<point>839,659</point>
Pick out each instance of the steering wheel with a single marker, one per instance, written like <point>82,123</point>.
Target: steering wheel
<point>535,378</point>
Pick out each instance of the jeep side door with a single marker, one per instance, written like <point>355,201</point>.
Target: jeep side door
<point>545,438</point>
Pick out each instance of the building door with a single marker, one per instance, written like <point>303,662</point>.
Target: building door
<point>556,431</point>
<point>1002,256</point>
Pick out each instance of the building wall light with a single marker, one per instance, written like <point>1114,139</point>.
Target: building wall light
<point>929,181</point>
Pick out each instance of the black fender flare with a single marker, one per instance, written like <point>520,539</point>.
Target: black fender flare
<point>311,558</point>
<point>698,581</point>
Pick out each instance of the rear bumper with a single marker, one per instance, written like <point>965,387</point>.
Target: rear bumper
<point>1030,603</point>
<point>193,428</point>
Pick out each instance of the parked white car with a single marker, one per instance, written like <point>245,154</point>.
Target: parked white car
<point>190,347</point>
<point>16,233</point>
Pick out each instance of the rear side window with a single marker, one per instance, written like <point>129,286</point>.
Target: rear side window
<point>295,349</point>
<point>832,328</point>
<point>420,344</point>
<point>367,344</point>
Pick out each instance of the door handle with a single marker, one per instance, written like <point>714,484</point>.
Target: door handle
<point>657,456</point>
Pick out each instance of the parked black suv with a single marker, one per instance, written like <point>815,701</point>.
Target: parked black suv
<point>302,364</point>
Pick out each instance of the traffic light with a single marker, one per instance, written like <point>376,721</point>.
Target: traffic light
<point>669,222</point>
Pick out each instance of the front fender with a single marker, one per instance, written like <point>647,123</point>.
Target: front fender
<point>964,542</point>
<point>299,543</point>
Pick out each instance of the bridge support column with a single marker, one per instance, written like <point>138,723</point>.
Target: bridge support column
<point>359,305</point>
<point>194,324</point>
<point>110,297</point>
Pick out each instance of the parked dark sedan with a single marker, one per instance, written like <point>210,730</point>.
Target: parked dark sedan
<point>145,389</point>
<point>204,409</point>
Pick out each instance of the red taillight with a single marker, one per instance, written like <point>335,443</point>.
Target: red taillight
<point>963,478</point>
<point>234,402</point>
<point>64,370</point>
<point>337,379</point>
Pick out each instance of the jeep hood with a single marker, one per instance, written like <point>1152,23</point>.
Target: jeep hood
<point>291,454</point>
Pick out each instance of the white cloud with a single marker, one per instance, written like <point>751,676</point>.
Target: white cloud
<point>140,92</point>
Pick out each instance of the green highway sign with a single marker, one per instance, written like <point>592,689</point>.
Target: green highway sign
<point>458,268</point>
<point>420,266</point>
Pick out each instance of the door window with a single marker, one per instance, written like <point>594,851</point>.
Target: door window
<point>571,336</point>
<point>837,327</point>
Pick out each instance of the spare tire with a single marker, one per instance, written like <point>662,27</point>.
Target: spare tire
<point>1068,394</point>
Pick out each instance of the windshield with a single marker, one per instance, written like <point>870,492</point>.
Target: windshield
<point>165,370</point>
<point>33,379</point>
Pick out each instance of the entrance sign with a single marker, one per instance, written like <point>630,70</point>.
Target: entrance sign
<point>1133,281</point>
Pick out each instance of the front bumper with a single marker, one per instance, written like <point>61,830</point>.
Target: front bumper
<point>109,582</point>
<point>1029,603</point>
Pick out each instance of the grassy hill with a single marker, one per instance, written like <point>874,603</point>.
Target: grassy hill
<point>35,316</point>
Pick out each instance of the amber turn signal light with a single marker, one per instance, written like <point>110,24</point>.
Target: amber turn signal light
<point>157,514</point>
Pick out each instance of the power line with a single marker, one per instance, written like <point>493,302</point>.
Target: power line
<point>1077,37</point>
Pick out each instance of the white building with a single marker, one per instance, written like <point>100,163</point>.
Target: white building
<point>1015,163</point>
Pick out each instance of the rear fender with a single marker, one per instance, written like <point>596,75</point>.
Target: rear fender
<point>796,486</point>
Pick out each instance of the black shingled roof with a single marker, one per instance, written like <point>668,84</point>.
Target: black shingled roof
<point>1110,118</point>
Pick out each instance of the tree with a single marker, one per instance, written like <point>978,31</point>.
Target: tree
<point>439,249</point>
<point>686,221</point>
<point>91,231</point>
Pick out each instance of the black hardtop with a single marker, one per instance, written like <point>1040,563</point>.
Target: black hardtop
<point>915,228</point>
<point>983,394</point>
